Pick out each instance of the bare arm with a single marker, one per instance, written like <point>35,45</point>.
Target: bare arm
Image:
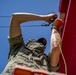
<point>55,50</point>
<point>18,18</point>
<point>55,43</point>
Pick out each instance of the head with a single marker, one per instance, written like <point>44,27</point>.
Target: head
<point>44,42</point>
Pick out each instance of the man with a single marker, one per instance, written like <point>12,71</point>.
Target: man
<point>32,54</point>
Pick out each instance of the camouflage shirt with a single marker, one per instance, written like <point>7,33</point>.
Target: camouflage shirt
<point>26,55</point>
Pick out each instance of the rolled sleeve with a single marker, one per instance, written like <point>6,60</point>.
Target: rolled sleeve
<point>15,45</point>
<point>54,69</point>
<point>16,40</point>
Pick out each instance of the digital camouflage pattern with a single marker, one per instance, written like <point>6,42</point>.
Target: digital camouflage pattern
<point>26,55</point>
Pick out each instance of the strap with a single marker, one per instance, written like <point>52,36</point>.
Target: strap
<point>54,27</point>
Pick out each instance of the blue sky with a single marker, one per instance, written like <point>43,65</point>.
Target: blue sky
<point>7,7</point>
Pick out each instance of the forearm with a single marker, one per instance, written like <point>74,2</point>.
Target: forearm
<point>55,50</point>
<point>24,17</point>
<point>54,57</point>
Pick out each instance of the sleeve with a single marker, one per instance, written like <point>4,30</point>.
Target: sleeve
<point>51,68</point>
<point>16,40</point>
<point>15,44</point>
<point>54,69</point>
<point>63,6</point>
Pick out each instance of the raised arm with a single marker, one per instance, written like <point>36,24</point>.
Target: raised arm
<point>18,18</point>
<point>56,43</point>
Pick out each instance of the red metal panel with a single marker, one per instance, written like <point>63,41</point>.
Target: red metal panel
<point>69,39</point>
<point>63,5</point>
<point>22,70</point>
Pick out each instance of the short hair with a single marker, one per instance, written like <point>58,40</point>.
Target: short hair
<point>43,41</point>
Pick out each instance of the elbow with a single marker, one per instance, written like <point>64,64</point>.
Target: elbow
<point>14,18</point>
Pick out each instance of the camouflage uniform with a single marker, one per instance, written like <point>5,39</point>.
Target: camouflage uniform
<point>26,55</point>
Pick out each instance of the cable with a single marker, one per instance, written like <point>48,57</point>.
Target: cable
<point>63,59</point>
<point>42,25</point>
<point>23,26</point>
<point>5,16</point>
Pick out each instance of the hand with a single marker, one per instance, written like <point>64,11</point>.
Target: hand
<point>58,22</point>
<point>48,18</point>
